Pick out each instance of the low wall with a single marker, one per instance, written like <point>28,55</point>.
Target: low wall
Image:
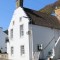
<point>3,56</point>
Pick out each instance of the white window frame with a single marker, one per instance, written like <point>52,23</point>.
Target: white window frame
<point>12,50</point>
<point>21,30</point>
<point>11,33</point>
<point>13,22</point>
<point>22,49</point>
<point>20,19</point>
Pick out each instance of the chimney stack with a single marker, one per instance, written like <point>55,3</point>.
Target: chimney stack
<point>19,3</point>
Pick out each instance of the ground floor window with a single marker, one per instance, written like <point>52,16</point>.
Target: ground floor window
<point>12,50</point>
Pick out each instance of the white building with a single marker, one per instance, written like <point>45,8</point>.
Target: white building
<point>3,37</point>
<point>32,34</point>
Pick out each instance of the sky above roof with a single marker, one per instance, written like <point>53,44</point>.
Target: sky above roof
<point>7,8</point>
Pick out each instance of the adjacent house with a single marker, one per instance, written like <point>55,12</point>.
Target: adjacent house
<point>33,35</point>
<point>3,38</point>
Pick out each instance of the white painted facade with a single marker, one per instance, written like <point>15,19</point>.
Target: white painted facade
<point>38,35</point>
<point>3,45</point>
<point>17,41</point>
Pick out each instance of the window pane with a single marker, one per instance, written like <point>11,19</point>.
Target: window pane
<point>22,50</point>
<point>21,30</point>
<point>11,33</point>
<point>11,50</point>
<point>13,22</point>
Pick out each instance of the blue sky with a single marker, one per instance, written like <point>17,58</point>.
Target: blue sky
<point>7,8</point>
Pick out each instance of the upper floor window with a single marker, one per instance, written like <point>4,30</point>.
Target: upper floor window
<point>11,33</point>
<point>21,31</point>
<point>20,19</point>
<point>22,50</point>
<point>11,50</point>
<point>6,39</point>
<point>13,22</point>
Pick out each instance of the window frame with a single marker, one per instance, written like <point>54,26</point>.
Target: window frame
<point>13,22</point>
<point>20,19</point>
<point>12,50</point>
<point>22,48</point>
<point>21,30</point>
<point>11,33</point>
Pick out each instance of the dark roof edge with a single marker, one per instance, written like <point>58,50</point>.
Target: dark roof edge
<point>6,31</point>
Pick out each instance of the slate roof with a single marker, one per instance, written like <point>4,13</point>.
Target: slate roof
<point>42,19</point>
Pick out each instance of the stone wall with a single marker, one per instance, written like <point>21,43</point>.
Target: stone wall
<point>4,56</point>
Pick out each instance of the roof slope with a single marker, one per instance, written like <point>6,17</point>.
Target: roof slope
<point>6,31</point>
<point>49,9</point>
<point>42,19</point>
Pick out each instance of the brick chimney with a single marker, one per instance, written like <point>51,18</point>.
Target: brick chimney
<point>19,3</point>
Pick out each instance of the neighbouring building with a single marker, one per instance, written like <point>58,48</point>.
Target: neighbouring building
<point>3,37</point>
<point>57,45</point>
<point>32,34</point>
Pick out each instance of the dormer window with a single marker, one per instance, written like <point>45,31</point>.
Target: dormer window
<point>21,31</point>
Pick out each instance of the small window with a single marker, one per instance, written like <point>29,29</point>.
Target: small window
<point>20,19</point>
<point>11,33</point>
<point>21,31</point>
<point>11,50</point>
<point>6,40</point>
<point>13,22</point>
<point>22,50</point>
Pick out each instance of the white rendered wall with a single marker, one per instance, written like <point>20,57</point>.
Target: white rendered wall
<point>43,35</point>
<point>3,41</point>
<point>17,41</point>
<point>40,35</point>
